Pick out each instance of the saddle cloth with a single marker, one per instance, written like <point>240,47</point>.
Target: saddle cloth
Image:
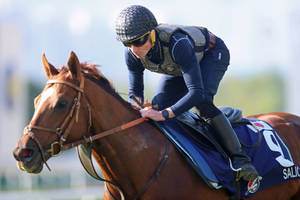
<point>271,157</point>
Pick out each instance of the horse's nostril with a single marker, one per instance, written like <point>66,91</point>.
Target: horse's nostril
<point>27,153</point>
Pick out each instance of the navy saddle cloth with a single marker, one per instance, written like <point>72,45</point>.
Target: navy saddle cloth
<point>271,157</point>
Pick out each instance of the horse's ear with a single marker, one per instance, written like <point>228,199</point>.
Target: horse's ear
<point>74,66</point>
<point>49,69</point>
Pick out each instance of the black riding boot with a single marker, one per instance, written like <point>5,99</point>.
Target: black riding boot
<point>229,141</point>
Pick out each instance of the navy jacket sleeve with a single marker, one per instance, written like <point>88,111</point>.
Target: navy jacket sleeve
<point>136,74</point>
<point>182,51</point>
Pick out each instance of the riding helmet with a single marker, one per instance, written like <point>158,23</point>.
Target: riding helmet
<point>133,22</point>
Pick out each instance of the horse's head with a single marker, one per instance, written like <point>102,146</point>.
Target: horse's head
<point>55,120</point>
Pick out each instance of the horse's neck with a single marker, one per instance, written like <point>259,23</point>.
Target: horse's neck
<point>128,154</point>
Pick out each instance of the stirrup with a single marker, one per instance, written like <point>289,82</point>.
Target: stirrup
<point>246,177</point>
<point>251,172</point>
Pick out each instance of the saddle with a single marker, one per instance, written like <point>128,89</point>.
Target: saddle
<point>201,132</point>
<point>189,118</point>
<point>199,129</point>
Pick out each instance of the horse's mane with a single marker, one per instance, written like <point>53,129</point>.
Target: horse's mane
<point>91,72</point>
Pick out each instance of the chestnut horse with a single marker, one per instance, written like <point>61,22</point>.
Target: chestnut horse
<point>82,103</point>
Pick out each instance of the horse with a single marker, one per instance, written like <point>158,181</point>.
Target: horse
<point>78,102</point>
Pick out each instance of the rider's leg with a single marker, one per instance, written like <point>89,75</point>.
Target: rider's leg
<point>170,89</point>
<point>229,141</point>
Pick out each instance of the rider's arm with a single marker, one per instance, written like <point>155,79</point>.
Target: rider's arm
<point>136,75</point>
<point>182,51</point>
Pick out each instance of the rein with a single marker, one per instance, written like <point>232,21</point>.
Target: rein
<point>104,133</point>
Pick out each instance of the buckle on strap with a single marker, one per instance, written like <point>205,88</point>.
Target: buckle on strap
<point>52,151</point>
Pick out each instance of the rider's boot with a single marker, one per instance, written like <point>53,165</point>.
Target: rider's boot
<point>229,141</point>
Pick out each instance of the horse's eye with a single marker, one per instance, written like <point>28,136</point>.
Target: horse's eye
<point>61,105</point>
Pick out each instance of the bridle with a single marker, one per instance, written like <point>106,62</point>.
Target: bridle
<point>63,131</point>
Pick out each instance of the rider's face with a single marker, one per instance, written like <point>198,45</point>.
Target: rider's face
<point>141,51</point>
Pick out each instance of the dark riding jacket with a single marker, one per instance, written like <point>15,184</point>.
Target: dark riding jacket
<point>164,33</point>
<point>178,51</point>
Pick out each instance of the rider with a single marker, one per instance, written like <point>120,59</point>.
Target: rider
<point>193,61</point>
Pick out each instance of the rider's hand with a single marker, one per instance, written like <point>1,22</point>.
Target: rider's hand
<point>152,114</point>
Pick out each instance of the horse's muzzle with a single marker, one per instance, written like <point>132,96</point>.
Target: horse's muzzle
<point>28,159</point>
